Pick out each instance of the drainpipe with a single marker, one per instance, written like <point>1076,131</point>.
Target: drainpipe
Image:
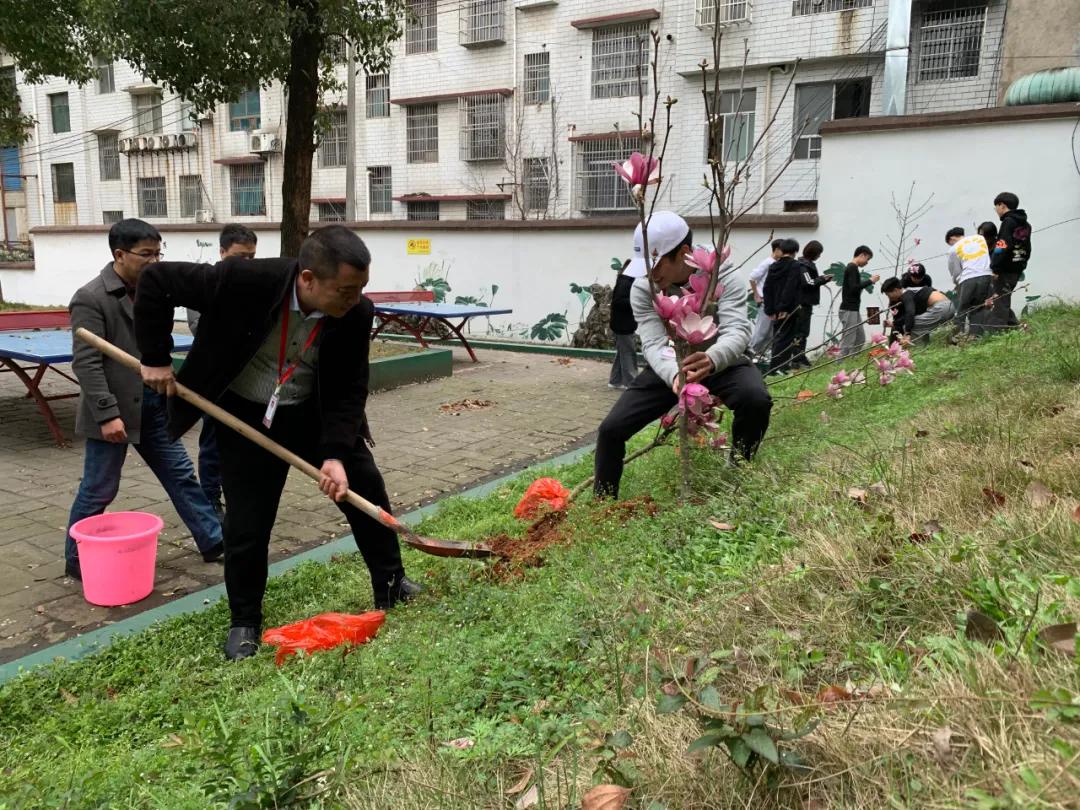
<point>40,168</point>
<point>764,173</point>
<point>897,48</point>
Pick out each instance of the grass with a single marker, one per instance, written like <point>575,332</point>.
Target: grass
<point>15,306</point>
<point>562,672</point>
<point>382,348</point>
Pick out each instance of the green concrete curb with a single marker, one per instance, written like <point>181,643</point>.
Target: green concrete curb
<point>526,348</point>
<point>425,364</point>
<point>93,641</point>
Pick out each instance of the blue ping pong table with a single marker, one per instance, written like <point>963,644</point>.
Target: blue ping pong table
<point>45,349</point>
<point>406,313</point>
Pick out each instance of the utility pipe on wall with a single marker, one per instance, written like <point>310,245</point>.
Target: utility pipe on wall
<point>897,49</point>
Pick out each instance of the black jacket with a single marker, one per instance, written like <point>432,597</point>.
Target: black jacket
<point>851,293</point>
<point>909,280</point>
<point>1013,248</point>
<point>622,314</point>
<point>810,289</point>
<point>783,286</point>
<point>239,301</point>
<point>915,301</point>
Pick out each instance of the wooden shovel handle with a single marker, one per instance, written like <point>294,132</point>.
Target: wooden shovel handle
<point>243,428</point>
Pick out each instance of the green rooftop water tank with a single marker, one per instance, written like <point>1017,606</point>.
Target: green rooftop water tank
<point>1053,86</point>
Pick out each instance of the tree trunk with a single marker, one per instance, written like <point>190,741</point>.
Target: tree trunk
<point>302,88</point>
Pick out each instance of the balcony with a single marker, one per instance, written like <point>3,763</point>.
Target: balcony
<point>483,23</point>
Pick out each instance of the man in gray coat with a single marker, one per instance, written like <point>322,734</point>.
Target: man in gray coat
<point>115,410</point>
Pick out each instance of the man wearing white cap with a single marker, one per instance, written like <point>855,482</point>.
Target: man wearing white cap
<point>723,366</point>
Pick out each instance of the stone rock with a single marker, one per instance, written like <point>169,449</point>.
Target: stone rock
<point>594,332</point>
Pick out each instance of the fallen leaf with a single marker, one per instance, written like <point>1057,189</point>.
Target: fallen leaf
<point>1057,409</point>
<point>795,697</point>
<point>879,489</point>
<point>461,742</point>
<point>671,688</point>
<point>720,526</point>
<point>981,627</point>
<point>833,694</point>
<point>68,697</point>
<point>942,740</point>
<point>528,799</point>
<point>1025,464</point>
<point>174,741</point>
<point>1076,514</point>
<point>804,395</point>
<point>605,797</point>
<point>921,434</point>
<point>112,693</point>
<point>1060,637</point>
<point>856,494</point>
<point>993,497</point>
<point>812,804</point>
<point>1038,495</point>
<point>465,405</point>
<point>563,361</point>
<point>932,527</point>
<point>521,784</point>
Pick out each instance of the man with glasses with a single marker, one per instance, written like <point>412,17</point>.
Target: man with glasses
<point>115,410</point>
<point>283,345</point>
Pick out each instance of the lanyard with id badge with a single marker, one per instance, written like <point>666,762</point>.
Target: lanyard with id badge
<point>285,375</point>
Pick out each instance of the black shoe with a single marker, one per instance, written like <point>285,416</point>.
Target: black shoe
<point>243,642</point>
<point>73,569</point>
<point>399,593</point>
<point>214,553</point>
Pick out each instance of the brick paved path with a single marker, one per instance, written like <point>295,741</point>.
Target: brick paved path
<point>543,406</point>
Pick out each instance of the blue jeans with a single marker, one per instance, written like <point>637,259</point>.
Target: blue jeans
<point>210,462</point>
<point>169,462</point>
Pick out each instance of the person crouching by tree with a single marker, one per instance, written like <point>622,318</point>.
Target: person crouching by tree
<point>723,367</point>
<point>623,326</point>
<point>783,296</point>
<point>916,276</point>
<point>917,311</point>
<point>852,333</point>
<point>810,297</point>
<point>283,345</point>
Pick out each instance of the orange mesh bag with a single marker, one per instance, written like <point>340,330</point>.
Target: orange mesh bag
<point>323,632</point>
<point>541,492</point>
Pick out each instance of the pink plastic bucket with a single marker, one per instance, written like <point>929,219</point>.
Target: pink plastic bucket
<point>117,554</point>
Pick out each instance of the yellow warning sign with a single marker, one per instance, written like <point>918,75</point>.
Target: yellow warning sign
<point>418,247</point>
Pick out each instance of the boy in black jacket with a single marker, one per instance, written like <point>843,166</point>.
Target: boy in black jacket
<point>783,302</point>
<point>1008,259</point>
<point>623,325</point>
<point>853,335</point>
<point>810,297</point>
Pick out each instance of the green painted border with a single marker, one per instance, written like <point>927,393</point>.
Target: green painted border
<point>93,641</point>
<point>526,348</point>
<point>418,366</point>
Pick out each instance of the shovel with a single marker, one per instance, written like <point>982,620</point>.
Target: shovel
<point>429,545</point>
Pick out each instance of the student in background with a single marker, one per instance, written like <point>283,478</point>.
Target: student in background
<point>810,297</point>
<point>969,266</point>
<point>916,276</point>
<point>1009,258</point>
<point>783,303</point>
<point>763,326</point>
<point>917,311</point>
<point>239,241</point>
<point>623,325</point>
<point>853,334</point>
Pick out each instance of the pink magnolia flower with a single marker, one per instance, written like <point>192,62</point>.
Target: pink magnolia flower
<point>699,282</point>
<point>858,378</point>
<point>666,305</point>
<point>695,329</point>
<point>895,349</point>
<point>884,364</point>
<point>702,259</point>
<point>904,363</point>
<point>835,391</point>
<point>667,420</point>
<point>918,241</point>
<point>886,378</point>
<point>639,171</point>
<point>719,442</point>
<point>833,351</point>
<point>698,405</point>
<point>877,339</point>
<point>841,378</point>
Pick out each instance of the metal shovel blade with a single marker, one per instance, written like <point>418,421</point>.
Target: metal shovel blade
<point>445,548</point>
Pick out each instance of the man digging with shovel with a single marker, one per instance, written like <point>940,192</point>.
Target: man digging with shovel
<point>283,345</point>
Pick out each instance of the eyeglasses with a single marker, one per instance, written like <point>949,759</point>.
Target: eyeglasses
<point>157,254</point>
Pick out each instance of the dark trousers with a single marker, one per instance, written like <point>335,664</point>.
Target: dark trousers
<point>253,480</point>
<point>740,388</point>
<point>210,462</point>
<point>971,304</point>
<point>802,335</point>
<point>786,343</point>
<point>1002,315</point>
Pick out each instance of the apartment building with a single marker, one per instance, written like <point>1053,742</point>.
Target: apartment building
<point>496,109</point>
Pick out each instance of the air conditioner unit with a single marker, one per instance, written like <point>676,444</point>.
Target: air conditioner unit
<point>204,215</point>
<point>124,145</point>
<point>262,142</point>
<point>187,140</point>
<point>161,142</point>
<point>143,143</point>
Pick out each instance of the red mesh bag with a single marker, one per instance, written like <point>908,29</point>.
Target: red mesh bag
<point>541,492</point>
<point>323,632</point>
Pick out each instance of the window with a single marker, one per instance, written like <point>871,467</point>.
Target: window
<point>731,134</point>
<point>950,40</point>
<point>800,206</point>
<point>190,194</point>
<point>106,82</point>
<point>419,211</point>
<point>481,127</point>
<point>380,193</point>
<point>337,49</point>
<point>153,201</point>
<point>485,209</point>
<point>537,77</point>
<point>602,190</point>
<point>817,103</point>
<point>537,185</point>
<point>61,113</point>
<point>711,12</point>
<point>108,155</point>
<point>246,190</point>
<point>802,7</point>
<point>111,217</point>
<point>63,182</point>
<point>188,116</point>
<point>378,95</point>
<point>244,112</point>
<point>421,26</point>
<point>331,212</point>
<point>422,133</point>
<point>334,146</point>
<point>620,60</point>
<point>147,113</point>
<point>481,22</point>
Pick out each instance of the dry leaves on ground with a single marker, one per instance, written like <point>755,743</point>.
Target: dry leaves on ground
<point>1060,638</point>
<point>521,784</point>
<point>465,405</point>
<point>833,694</point>
<point>981,627</point>
<point>1038,495</point>
<point>993,497</point>
<point>942,741</point>
<point>605,797</point>
<point>721,526</point>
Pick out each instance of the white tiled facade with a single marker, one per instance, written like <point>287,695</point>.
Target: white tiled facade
<point>837,41</point>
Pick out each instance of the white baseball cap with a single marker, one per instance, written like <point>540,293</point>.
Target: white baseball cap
<point>667,230</point>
